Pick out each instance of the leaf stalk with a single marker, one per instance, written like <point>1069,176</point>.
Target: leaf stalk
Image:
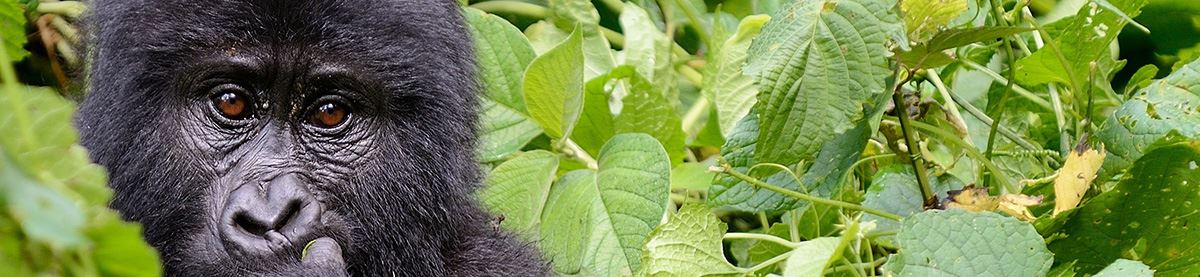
<point>728,169</point>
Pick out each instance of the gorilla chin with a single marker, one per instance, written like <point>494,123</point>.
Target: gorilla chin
<point>294,137</point>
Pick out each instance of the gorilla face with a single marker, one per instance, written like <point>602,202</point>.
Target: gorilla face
<point>238,132</point>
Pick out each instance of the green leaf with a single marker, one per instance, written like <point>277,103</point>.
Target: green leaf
<point>894,189</point>
<point>46,215</point>
<point>810,258</point>
<point>646,48</point>
<point>553,87</point>
<point>597,53</point>
<point>817,63</point>
<point>1063,270</point>
<point>645,109</point>
<point>960,243</point>
<point>1126,268</point>
<point>518,188</point>
<point>923,18</point>
<point>1166,105</point>
<point>733,92</point>
<point>502,53</point>
<point>689,244</point>
<point>503,131</point>
<point>567,216</point>
<point>1080,40</point>
<point>730,192</point>
<point>648,110</point>
<point>1149,215</point>
<point>633,183</point>
<point>1141,78</point>
<point>569,13</point>
<point>119,249</point>
<point>692,176</point>
<point>930,54</point>
<point>596,123</point>
<point>12,29</point>
<point>543,36</point>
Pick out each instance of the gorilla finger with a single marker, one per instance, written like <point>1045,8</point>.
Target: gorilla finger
<point>324,254</point>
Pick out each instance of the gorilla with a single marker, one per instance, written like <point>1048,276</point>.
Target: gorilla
<point>294,137</point>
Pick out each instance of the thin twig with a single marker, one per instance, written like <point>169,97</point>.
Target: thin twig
<point>910,140</point>
<point>728,169</point>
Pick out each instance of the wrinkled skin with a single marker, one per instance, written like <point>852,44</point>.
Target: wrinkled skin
<point>386,191</point>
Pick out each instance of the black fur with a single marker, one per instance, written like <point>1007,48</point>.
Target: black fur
<point>397,183</point>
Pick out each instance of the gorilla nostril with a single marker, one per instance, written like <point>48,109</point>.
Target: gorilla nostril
<point>289,214</point>
<point>250,225</point>
<point>260,226</point>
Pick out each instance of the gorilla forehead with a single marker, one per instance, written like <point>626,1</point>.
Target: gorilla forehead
<point>190,23</point>
<point>389,37</point>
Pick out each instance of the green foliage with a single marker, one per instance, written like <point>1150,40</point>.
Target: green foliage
<point>56,219</point>
<point>12,29</point>
<point>688,244</point>
<point>1078,41</point>
<point>960,243</point>
<point>1171,104</point>
<point>770,123</point>
<point>554,86</point>
<point>817,64</point>
<point>503,53</point>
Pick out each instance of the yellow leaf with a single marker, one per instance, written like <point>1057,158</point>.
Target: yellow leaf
<point>976,199</point>
<point>1076,176</point>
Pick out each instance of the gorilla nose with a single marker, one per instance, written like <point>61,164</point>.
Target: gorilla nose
<point>260,221</point>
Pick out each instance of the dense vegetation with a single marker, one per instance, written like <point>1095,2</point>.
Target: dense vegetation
<point>752,137</point>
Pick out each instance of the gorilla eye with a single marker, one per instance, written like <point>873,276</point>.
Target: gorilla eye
<point>231,101</point>
<point>328,114</point>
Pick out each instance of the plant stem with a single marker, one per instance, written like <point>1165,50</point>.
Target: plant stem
<point>871,264</point>
<point>573,151</point>
<point>692,117</point>
<point>769,262</point>
<point>910,140</point>
<point>697,25</point>
<point>1064,140</point>
<point>954,113</point>
<point>858,163</point>
<point>691,75</point>
<point>1007,133</point>
<point>1020,90</point>
<point>848,236</point>
<point>728,169</point>
<point>762,237</point>
<point>519,8</point>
